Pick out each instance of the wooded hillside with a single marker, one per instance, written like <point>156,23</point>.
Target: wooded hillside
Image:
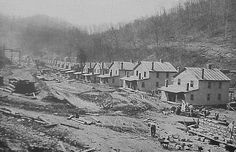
<point>204,26</point>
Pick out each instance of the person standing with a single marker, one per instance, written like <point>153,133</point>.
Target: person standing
<point>191,110</point>
<point>231,129</point>
<point>153,129</point>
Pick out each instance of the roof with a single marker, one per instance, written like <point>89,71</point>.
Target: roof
<point>164,67</point>
<point>72,71</point>
<point>209,74</point>
<point>87,64</point>
<point>131,78</point>
<point>87,74</point>
<point>158,66</point>
<point>177,89</point>
<point>78,73</point>
<point>64,70</point>
<point>126,65</point>
<point>105,65</point>
<point>104,76</point>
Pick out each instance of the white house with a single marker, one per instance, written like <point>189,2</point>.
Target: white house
<point>198,86</point>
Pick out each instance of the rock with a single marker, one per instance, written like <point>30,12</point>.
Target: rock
<point>41,134</point>
<point>178,147</point>
<point>186,148</point>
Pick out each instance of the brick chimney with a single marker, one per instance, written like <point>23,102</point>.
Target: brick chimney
<point>209,66</point>
<point>203,71</point>
<point>161,60</point>
<point>152,65</point>
<point>187,87</point>
<point>122,65</point>
<point>178,69</point>
<point>166,83</point>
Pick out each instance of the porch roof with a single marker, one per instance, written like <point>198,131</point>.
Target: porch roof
<point>104,76</point>
<point>177,89</point>
<point>72,71</point>
<point>77,73</point>
<point>87,74</point>
<point>64,70</point>
<point>130,78</point>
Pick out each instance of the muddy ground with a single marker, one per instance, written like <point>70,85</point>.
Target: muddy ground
<point>116,120</point>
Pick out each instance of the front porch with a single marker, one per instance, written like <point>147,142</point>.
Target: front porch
<point>173,93</point>
<point>103,79</point>
<point>130,82</point>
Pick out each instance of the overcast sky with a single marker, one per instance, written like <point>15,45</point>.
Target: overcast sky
<point>86,12</point>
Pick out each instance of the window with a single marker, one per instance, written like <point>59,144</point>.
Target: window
<point>220,85</point>
<point>209,85</point>
<point>157,84</point>
<point>157,75</point>
<point>144,74</point>
<point>127,74</point>
<point>208,97</point>
<point>192,97</point>
<point>139,76</point>
<point>136,73</point>
<point>219,96</point>
<point>143,85</point>
<point>191,83</point>
<point>113,80</point>
<point>167,75</point>
<point>179,81</point>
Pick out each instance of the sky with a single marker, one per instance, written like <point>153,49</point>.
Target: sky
<point>86,12</point>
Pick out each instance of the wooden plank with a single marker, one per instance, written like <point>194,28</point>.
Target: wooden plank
<point>89,150</point>
<point>62,146</point>
<point>203,135</point>
<point>75,127</point>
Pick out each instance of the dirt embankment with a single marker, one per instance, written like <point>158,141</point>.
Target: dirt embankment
<point>78,116</point>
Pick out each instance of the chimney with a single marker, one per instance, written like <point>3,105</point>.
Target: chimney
<point>122,65</point>
<point>187,87</point>
<point>102,65</point>
<point>166,83</point>
<point>90,65</point>
<point>152,65</point>
<point>209,66</point>
<point>178,69</point>
<point>161,60</point>
<point>203,71</point>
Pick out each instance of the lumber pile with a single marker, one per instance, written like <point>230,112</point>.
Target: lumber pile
<point>214,131</point>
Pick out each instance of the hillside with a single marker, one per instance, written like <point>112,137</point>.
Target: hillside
<point>190,34</point>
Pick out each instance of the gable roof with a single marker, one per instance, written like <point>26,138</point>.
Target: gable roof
<point>164,67</point>
<point>105,65</point>
<point>128,65</point>
<point>209,74</point>
<point>158,66</point>
<point>87,64</point>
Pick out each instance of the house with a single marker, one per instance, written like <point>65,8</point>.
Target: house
<point>118,70</point>
<point>97,70</point>
<point>198,86</point>
<point>88,71</point>
<point>104,73</point>
<point>149,76</point>
<point>78,68</point>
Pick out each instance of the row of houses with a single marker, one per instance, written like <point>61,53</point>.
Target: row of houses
<point>197,86</point>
